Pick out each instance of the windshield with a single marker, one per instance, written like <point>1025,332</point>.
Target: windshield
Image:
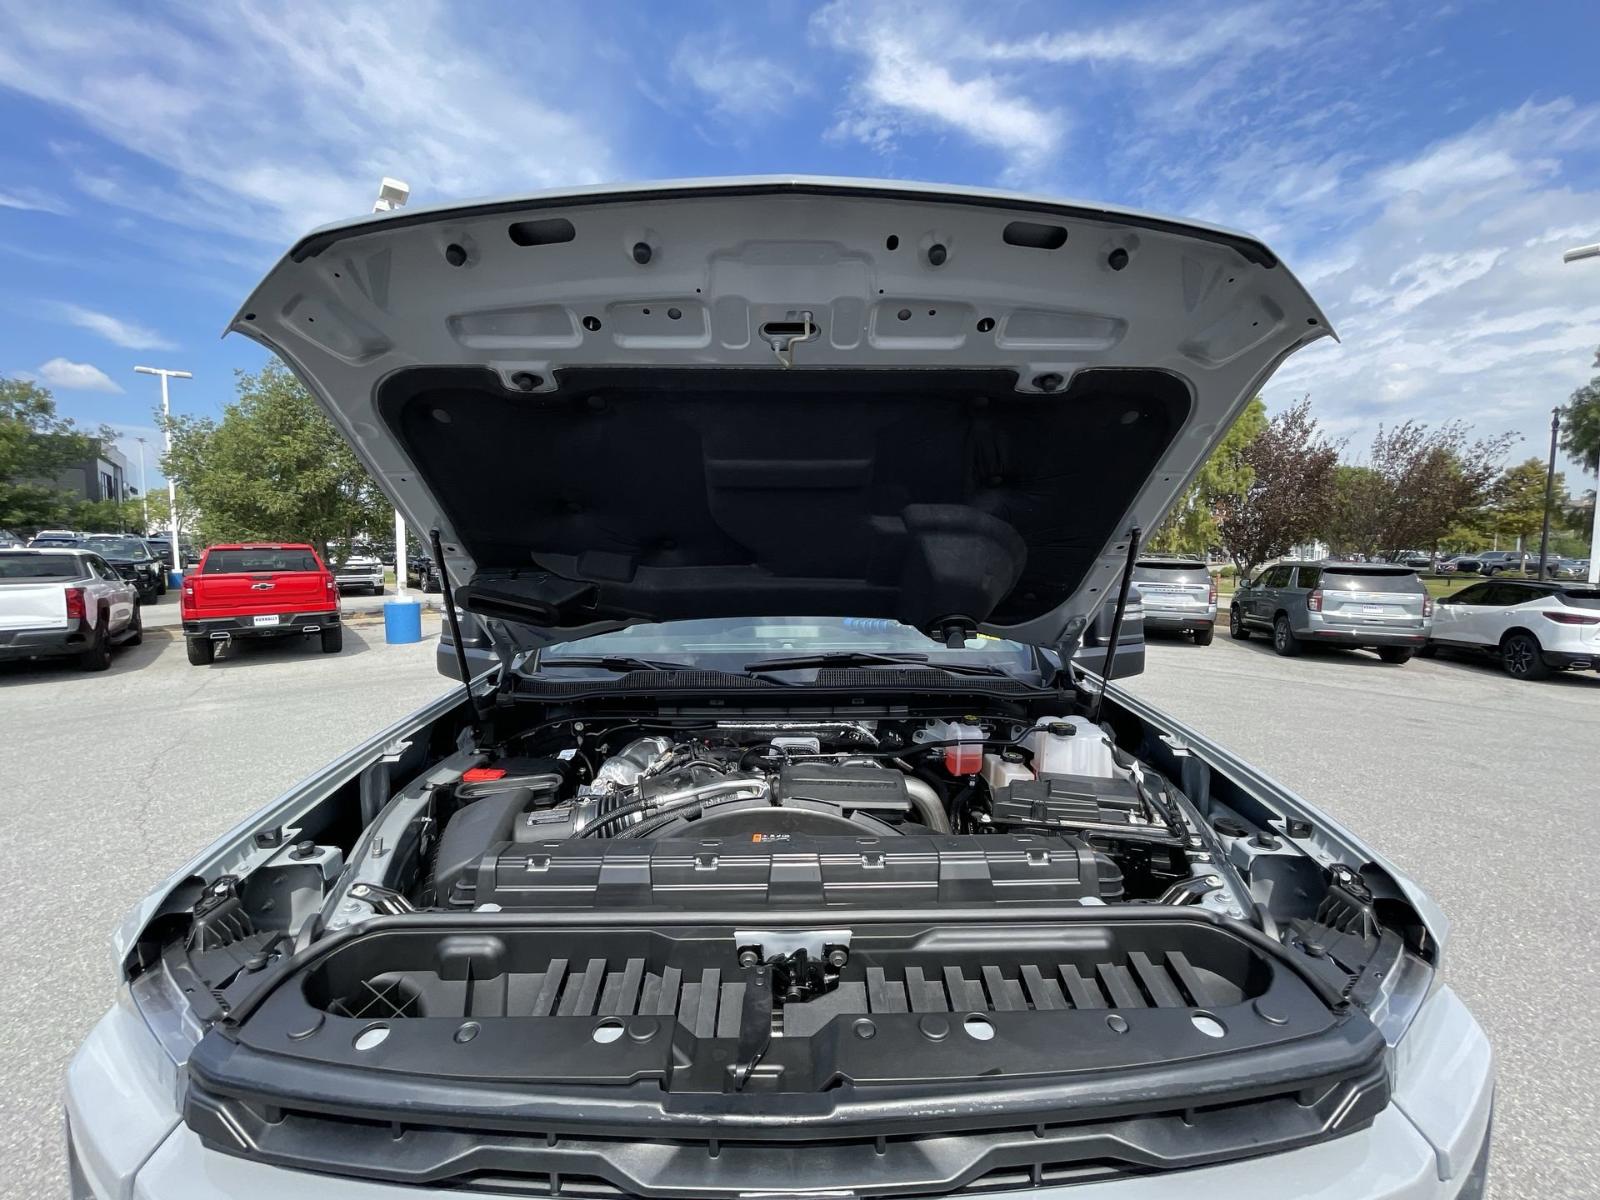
<point>1371,579</point>
<point>730,643</point>
<point>118,547</point>
<point>25,568</point>
<point>259,560</point>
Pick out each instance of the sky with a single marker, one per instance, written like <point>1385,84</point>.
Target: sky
<point>1420,167</point>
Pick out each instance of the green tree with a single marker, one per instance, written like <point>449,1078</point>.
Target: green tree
<point>35,446</point>
<point>1580,424</point>
<point>273,468</point>
<point>1518,506</point>
<point>1191,525</point>
<point>111,516</point>
<point>1290,494</point>
<point>1350,528</point>
<point>1420,482</point>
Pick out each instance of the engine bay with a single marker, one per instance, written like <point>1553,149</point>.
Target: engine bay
<point>789,813</point>
<point>655,912</point>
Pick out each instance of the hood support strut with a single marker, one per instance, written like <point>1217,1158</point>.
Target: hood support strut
<point>478,719</point>
<point>1116,622</point>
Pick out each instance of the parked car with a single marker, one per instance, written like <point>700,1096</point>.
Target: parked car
<point>130,557</point>
<point>55,539</point>
<point>161,546</point>
<point>1417,560</point>
<point>65,603</point>
<point>1534,627</point>
<point>1373,606</point>
<point>10,541</point>
<point>1179,595</point>
<point>259,590</point>
<point>360,570</point>
<point>1493,562</point>
<point>1463,564</point>
<point>785,852</point>
<point>421,572</point>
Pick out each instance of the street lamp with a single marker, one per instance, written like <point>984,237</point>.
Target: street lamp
<point>1574,255</point>
<point>144,492</point>
<point>166,429</point>
<point>1549,492</point>
<point>393,194</point>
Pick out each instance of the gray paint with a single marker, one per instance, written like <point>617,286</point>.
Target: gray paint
<point>366,298</point>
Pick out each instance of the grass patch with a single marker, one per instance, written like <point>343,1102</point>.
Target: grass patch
<point>1443,585</point>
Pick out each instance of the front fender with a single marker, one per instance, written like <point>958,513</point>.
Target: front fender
<point>1198,764</point>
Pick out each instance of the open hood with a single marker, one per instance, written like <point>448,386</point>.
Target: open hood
<point>781,396</point>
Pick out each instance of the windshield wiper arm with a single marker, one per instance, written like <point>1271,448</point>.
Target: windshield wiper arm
<point>870,658</point>
<point>620,663</point>
<point>624,664</point>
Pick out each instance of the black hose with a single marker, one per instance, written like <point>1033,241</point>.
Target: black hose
<point>959,806</point>
<point>605,819</point>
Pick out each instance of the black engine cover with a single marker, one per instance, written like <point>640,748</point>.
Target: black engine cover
<point>777,867</point>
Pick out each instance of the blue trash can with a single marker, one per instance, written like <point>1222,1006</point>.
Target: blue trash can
<point>402,621</point>
<point>174,579</point>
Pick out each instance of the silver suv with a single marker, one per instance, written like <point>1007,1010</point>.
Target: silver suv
<point>1180,596</point>
<point>1374,606</point>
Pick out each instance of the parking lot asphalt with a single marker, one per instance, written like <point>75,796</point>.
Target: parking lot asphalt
<point>1482,789</point>
<point>114,780</point>
<point>162,612</point>
<point>1477,785</point>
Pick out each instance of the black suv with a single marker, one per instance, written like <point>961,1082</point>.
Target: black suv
<point>130,558</point>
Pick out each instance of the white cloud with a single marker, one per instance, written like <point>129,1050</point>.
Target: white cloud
<point>1028,93</point>
<point>273,120</point>
<point>1165,43</point>
<point>739,83</point>
<point>128,334</point>
<point>67,375</point>
<point>1449,293</point>
<point>908,84</point>
<point>31,200</point>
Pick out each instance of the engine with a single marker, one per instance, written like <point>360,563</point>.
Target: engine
<point>803,814</point>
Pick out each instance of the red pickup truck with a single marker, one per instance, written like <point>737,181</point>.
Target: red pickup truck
<point>255,590</point>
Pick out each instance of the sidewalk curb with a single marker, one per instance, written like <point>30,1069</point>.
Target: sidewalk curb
<point>175,632</point>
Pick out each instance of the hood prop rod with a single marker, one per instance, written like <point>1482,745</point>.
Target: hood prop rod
<point>1116,622</point>
<point>478,719</point>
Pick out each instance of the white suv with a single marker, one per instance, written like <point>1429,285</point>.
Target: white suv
<point>1533,627</point>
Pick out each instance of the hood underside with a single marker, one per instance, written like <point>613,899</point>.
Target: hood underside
<point>781,397</point>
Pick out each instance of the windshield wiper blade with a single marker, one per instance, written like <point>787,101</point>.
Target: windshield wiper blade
<point>626,664</point>
<point>870,658</point>
<point>620,663</point>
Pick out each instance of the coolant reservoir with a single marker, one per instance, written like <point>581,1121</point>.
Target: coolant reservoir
<point>959,760</point>
<point>1000,771</point>
<point>1070,746</point>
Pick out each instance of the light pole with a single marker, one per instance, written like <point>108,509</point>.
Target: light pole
<point>144,492</point>
<point>1549,493</point>
<point>1574,255</point>
<point>166,429</point>
<point>393,194</point>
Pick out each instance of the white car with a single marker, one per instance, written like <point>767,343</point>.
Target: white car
<point>360,571</point>
<point>1533,627</point>
<point>65,604</point>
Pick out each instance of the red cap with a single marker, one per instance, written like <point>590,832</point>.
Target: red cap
<point>482,774</point>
